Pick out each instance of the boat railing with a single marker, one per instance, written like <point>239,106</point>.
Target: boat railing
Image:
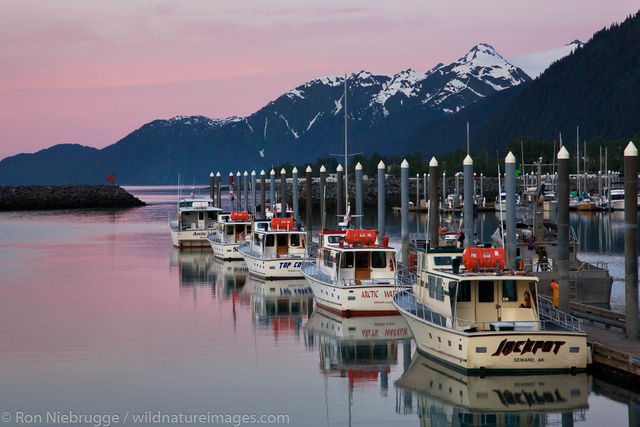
<point>551,320</point>
<point>215,237</point>
<point>312,250</point>
<point>310,268</point>
<point>594,266</point>
<point>405,276</point>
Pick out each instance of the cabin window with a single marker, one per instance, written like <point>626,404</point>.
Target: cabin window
<point>257,240</point>
<point>509,291</point>
<point>432,286</point>
<point>282,240</point>
<point>229,229</point>
<point>442,260</point>
<point>485,291</point>
<point>378,259</point>
<point>335,239</point>
<point>346,261</point>
<point>295,240</point>
<point>270,240</point>
<point>440,290</point>
<point>200,216</point>
<point>327,258</point>
<point>211,215</point>
<point>464,291</point>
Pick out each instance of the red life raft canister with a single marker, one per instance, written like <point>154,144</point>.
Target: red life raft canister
<point>361,237</point>
<point>240,216</point>
<point>484,258</point>
<point>285,224</point>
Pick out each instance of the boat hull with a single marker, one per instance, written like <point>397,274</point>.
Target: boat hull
<point>190,238</point>
<point>226,251</point>
<point>269,269</point>
<point>352,301</point>
<point>500,352</point>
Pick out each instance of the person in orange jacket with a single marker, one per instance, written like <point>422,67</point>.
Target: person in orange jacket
<point>554,288</point>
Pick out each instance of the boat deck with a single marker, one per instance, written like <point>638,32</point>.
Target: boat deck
<point>551,320</point>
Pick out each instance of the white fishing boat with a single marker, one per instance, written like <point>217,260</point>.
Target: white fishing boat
<point>275,249</point>
<point>232,228</point>
<point>353,276</point>
<point>480,319</point>
<point>197,217</point>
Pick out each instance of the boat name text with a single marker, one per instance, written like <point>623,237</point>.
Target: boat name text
<point>506,347</point>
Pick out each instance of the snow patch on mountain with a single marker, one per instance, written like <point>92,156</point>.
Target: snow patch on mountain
<point>313,121</point>
<point>286,122</point>
<point>404,82</point>
<point>338,106</point>
<point>293,93</point>
<point>536,63</point>
<point>194,120</point>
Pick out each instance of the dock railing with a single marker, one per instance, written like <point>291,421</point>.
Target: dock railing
<point>548,313</point>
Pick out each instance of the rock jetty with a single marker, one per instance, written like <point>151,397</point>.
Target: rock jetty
<point>40,197</point>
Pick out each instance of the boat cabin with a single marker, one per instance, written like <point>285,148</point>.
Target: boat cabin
<point>197,213</point>
<point>234,226</point>
<point>278,238</point>
<point>470,291</point>
<point>353,257</point>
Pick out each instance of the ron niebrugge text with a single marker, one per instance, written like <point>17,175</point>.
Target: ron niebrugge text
<point>145,417</point>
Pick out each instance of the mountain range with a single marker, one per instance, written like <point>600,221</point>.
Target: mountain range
<point>409,111</point>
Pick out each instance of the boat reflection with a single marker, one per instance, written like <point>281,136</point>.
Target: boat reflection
<point>280,305</point>
<point>229,276</point>
<point>362,349</point>
<point>194,266</point>
<point>446,397</point>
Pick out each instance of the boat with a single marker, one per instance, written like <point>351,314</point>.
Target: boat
<point>352,275</point>
<point>197,217</point>
<point>501,202</point>
<point>447,397</point>
<point>616,199</point>
<point>468,313</point>
<point>275,249</point>
<point>232,228</point>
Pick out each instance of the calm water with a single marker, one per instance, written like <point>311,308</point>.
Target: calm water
<point>100,315</point>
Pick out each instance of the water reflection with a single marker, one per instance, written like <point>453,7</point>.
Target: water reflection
<point>446,397</point>
<point>194,267</point>
<point>229,276</point>
<point>280,305</point>
<point>363,349</point>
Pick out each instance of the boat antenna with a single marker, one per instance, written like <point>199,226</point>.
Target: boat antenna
<point>500,199</point>
<point>346,157</point>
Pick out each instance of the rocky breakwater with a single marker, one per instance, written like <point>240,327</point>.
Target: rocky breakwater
<point>37,197</point>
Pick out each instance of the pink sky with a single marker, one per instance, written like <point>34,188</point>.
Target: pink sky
<point>90,72</point>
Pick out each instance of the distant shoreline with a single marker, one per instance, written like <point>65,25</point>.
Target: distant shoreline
<point>48,197</point>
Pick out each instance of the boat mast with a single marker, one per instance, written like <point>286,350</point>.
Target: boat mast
<point>346,166</point>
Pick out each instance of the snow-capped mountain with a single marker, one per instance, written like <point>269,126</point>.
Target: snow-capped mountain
<point>535,63</point>
<point>307,122</point>
<point>312,112</point>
